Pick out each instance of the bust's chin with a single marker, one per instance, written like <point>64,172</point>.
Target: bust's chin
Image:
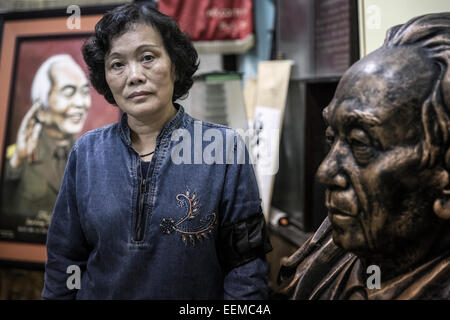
<point>351,242</point>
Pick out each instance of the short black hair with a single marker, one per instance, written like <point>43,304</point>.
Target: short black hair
<point>116,22</point>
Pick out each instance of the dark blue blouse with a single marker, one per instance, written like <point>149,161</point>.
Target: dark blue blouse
<point>183,231</point>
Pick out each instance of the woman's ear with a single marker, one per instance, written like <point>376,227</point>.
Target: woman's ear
<point>174,73</point>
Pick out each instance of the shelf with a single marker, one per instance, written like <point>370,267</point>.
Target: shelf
<point>290,233</point>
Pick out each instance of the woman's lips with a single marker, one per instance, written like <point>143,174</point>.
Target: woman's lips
<point>138,94</point>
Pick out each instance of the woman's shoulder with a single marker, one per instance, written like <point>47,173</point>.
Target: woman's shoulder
<point>192,123</point>
<point>98,135</point>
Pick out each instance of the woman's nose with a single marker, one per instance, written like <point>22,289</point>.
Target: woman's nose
<point>330,172</point>
<point>136,75</point>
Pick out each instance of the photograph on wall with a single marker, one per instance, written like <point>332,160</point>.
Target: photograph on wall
<point>51,105</point>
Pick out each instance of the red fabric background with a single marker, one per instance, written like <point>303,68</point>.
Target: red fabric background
<point>207,20</point>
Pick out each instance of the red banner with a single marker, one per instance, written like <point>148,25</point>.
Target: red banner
<point>210,20</point>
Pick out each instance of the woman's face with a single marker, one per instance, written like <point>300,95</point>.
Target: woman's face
<point>139,72</point>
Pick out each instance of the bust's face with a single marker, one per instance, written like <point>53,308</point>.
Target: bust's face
<point>378,195</point>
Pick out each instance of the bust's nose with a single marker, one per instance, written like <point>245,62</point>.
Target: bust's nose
<point>330,171</point>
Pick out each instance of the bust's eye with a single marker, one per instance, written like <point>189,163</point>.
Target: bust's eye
<point>359,138</point>
<point>329,136</point>
<point>355,143</point>
<point>361,146</point>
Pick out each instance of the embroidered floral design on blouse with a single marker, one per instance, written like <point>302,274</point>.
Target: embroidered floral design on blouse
<point>191,227</point>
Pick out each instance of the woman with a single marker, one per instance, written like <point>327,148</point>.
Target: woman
<point>137,224</point>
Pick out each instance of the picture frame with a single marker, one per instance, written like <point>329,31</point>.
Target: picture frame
<point>27,40</point>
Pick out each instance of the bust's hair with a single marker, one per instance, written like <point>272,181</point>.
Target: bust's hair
<point>43,82</point>
<point>431,34</point>
<point>118,21</point>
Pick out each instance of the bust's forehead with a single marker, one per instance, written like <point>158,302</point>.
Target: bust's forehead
<point>388,77</point>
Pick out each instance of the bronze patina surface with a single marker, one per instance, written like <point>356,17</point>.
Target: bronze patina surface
<point>386,174</point>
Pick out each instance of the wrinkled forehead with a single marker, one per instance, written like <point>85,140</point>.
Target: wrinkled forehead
<point>390,84</point>
<point>133,35</point>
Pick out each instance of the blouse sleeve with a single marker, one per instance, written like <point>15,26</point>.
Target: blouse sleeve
<point>66,243</point>
<point>243,238</point>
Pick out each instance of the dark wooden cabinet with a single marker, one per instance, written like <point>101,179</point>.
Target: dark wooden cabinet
<point>302,149</point>
<point>321,37</point>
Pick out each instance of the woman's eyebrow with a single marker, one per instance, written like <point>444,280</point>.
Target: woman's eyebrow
<point>118,54</point>
<point>112,55</point>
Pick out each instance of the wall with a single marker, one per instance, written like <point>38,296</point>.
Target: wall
<point>377,16</point>
<point>21,5</point>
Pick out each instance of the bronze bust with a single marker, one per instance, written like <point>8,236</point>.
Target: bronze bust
<point>386,175</point>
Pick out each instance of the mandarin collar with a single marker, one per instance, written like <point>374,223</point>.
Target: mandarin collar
<point>166,130</point>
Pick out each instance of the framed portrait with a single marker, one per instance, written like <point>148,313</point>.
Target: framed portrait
<point>46,104</point>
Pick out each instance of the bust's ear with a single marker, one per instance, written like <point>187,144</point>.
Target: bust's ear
<point>441,206</point>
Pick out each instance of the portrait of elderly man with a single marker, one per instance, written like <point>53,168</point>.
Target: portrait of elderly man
<point>35,163</point>
<point>386,176</point>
